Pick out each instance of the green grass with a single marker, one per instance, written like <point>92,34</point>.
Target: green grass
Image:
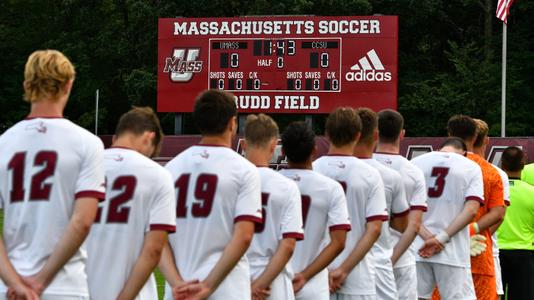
<point>159,278</point>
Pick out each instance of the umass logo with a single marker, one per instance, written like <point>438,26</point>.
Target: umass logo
<point>183,64</point>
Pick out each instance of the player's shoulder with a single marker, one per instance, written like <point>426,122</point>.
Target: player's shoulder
<point>278,180</point>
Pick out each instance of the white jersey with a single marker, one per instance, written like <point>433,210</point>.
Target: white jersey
<point>452,179</point>
<point>366,202</point>
<point>506,193</point>
<point>139,198</point>
<point>45,165</point>
<point>282,218</point>
<point>215,188</point>
<point>397,206</point>
<point>324,209</point>
<point>415,188</point>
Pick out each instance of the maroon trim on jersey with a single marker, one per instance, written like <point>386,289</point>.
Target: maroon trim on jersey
<point>248,218</point>
<point>212,145</point>
<point>419,207</point>
<point>401,214</point>
<point>345,227</point>
<point>337,154</point>
<point>90,194</point>
<point>377,218</point>
<point>44,117</point>
<point>506,202</point>
<point>163,227</point>
<point>295,235</point>
<point>387,153</point>
<point>262,166</point>
<point>364,157</point>
<point>475,198</point>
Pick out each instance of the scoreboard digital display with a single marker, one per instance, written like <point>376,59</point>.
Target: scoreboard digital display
<point>279,64</point>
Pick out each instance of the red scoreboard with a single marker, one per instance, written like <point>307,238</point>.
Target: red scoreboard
<point>279,64</point>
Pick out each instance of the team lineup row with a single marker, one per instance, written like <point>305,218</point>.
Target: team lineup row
<point>361,222</point>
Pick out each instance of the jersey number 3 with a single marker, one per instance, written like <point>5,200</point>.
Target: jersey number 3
<point>205,187</point>
<point>440,173</point>
<point>39,190</point>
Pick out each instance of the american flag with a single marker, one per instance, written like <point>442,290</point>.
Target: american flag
<point>503,9</point>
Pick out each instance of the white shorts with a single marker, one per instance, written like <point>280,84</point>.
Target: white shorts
<point>316,288</point>
<point>282,288</point>
<point>406,279</point>
<point>453,282</point>
<point>386,287</point>
<point>498,275</point>
<point>338,296</point>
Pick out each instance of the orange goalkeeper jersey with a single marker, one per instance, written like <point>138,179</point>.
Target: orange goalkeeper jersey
<point>493,197</point>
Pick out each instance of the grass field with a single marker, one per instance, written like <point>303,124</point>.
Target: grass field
<point>159,278</point>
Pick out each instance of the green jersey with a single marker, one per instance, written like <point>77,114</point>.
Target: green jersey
<point>527,175</point>
<point>517,229</point>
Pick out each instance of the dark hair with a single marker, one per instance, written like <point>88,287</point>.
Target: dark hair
<point>390,124</point>
<point>298,142</point>
<point>462,126</point>
<point>455,142</point>
<point>213,110</point>
<point>513,159</point>
<point>139,120</point>
<point>369,124</point>
<point>342,126</point>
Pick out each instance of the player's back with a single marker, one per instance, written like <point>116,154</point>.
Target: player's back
<point>215,187</point>
<point>282,218</point>
<point>366,202</point>
<point>452,179</point>
<point>47,163</point>
<point>139,198</point>
<point>396,205</point>
<point>323,209</point>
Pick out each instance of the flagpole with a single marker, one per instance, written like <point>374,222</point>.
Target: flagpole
<point>503,84</point>
<point>96,112</point>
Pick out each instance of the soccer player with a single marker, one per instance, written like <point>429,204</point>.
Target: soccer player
<point>479,148</point>
<point>324,209</point>
<point>390,133</point>
<point>218,203</point>
<point>398,209</point>
<point>488,215</point>
<point>516,234</point>
<point>527,174</point>
<point>138,212</point>
<point>51,177</point>
<point>275,240</point>
<point>352,272</point>
<point>455,191</point>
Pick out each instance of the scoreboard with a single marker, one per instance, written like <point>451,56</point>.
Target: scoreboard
<point>279,64</point>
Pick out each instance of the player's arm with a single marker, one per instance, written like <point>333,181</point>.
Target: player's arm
<point>412,229</point>
<point>371,234</point>
<point>10,277</point>
<point>329,253</point>
<point>276,263</point>
<point>167,267</point>
<point>241,239</point>
<point>399,206</point>
<point>77,230</point>
<point>399,222</point>
<point>150,255</point>
<point>436,243</point>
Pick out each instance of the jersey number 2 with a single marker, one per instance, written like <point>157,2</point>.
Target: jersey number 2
<point>117,214</point>
<point>39,190</point>
<point>440,173</point>
<point>205,188</point>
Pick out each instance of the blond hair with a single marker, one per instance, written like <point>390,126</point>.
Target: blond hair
<point>481,132</point>
<point>45,74</point>
<point>260,130</point>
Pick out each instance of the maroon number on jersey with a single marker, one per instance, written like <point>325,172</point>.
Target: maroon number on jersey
<point>440,173</point>
<point>117,214</point>
<point>205,188</point>
<point>264,201</point>
<point>39,190</point>
<point>306,202</point>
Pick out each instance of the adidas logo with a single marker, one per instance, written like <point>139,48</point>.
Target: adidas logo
<point>368,68</point>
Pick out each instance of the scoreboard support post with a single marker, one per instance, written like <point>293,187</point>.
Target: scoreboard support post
<point>241,120</point>
<point>309,119</point>
<point>178,124</point>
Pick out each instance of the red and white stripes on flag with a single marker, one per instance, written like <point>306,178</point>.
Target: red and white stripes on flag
<point>503,9</point>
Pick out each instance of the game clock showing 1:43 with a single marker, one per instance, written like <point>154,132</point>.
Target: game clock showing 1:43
<point>292,65</point>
